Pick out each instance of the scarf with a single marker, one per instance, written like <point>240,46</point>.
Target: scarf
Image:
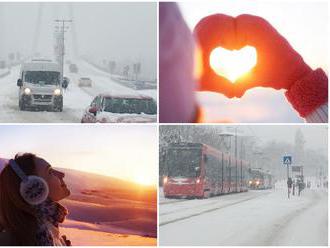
<point>50,214</point>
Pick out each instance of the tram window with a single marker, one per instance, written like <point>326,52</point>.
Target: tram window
<point>182,162</point>
<point>212,167</point>
<point>244,173</point>
<point>226,169</point>
<point>239,171</point>
<point>220,169</point>
<point>233,173</point>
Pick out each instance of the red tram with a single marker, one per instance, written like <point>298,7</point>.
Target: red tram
<point>260,179</point>
<point>196,170</point>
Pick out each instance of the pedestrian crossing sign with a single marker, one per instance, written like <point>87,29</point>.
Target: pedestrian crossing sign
<point>287,160</point>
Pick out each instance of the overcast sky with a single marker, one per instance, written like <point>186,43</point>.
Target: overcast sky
<point>125,31</point>
<point>316,136</point>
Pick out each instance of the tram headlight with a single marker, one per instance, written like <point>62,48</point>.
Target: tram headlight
<point>27,91</point>
<point>257,182</point>
<point>165,180</point>
<point>250,182</point>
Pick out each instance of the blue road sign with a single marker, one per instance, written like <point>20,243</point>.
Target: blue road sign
<point>287,160</point>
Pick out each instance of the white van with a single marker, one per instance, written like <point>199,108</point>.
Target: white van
<point>40,85</point>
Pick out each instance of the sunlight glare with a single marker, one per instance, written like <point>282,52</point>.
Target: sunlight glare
<point>143,179</point>
<point>233,64</point>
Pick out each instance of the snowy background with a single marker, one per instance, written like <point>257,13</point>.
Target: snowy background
<point>100,33</point>
<point>256,217</point>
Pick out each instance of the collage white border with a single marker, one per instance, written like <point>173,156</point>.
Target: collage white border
<point>159,124</point>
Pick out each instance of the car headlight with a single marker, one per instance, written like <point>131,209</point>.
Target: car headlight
<point>57,92</point>
<point>250,182</point>
<point>257,182</point>
<point>165,180</point>
<point>27,91</point>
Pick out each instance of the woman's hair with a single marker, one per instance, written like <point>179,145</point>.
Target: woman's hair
<point>17,217</point>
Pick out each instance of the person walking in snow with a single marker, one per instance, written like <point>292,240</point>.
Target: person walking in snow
<point>289,183</point>
<point>29,210</point>
<point>293,187</point>
<point>300,186</point>
<point>279,65</point>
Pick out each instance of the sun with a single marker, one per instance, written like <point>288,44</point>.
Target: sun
<point>233,64</point>
<point>143,179</point>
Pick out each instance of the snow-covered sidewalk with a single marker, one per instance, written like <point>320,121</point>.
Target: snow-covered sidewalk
<point>4,72</point>
<point>269,219</point>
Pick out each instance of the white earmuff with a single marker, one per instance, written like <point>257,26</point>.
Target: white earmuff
<point>33,189</point>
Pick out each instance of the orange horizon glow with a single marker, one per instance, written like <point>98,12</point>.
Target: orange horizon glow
<point>233,64</point>
<point>143,180</point>
<point>124,152</point>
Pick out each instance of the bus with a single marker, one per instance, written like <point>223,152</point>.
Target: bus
<point>196,170</point>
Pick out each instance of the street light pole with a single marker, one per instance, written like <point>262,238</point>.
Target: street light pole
<point>235,153</point>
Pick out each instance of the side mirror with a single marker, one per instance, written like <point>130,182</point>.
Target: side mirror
<point>93,110</point>
<point>19,82</point>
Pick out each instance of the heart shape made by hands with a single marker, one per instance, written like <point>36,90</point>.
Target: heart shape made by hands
<point>232,64</point>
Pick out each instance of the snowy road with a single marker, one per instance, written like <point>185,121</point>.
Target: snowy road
<point>76,99</point>
<point>252,218</point>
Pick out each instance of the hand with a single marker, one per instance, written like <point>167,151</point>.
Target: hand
<point>211,32</point>
<point>278,64</point>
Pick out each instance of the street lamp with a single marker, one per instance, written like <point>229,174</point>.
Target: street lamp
<point>231,135</point>
<point>225,139</point>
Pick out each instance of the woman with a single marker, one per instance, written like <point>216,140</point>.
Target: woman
<point>31,216</point>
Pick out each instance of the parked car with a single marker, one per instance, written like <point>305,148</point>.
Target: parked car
<point>121,108</point>
<point>85,82</point>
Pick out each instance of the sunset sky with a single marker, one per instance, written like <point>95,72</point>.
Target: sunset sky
<point>303,23</point>
<point>128,152</point>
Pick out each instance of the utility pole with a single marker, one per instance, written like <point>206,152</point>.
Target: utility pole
<point>62,48</point>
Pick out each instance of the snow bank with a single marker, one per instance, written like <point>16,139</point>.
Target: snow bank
<point>4,72</point>
<point>81,237</point>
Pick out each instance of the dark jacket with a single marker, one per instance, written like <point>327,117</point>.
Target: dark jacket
<point>6,239</point>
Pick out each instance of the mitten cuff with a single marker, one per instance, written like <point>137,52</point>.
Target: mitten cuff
<point>309,93</point>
